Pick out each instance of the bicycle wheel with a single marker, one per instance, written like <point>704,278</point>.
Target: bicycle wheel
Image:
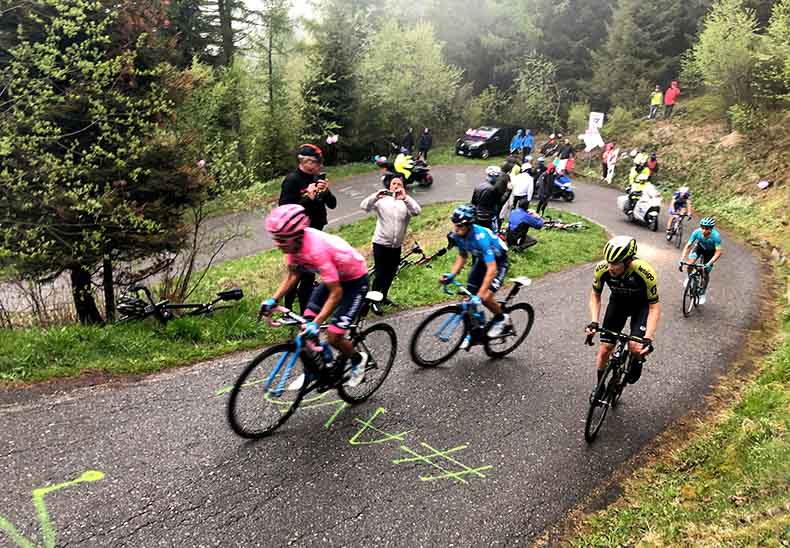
<point>438,337</point>
<point>600,406</point>
<point>679,234</point>
<point>689,296</point>
<point>381,345</point>
<point>522,315</point>
<point>267,392</point>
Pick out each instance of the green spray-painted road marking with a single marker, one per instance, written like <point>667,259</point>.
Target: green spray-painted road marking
<point>47,529</point>
<point>368,425</point>
<point>436,454</point>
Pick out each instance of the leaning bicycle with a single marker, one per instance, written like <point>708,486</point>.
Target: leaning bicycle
<point>439,336</point>
<point>132,307</point>
<point>415,257</point>
<point>693,288</point>
<point>271,387</point>
<point>612,383</point>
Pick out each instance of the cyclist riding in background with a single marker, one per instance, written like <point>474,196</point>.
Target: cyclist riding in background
<point>681,205</point>
<point>705,242</point>
<point>488,269</point>
<point>344,281</point>
<point>633,283</point>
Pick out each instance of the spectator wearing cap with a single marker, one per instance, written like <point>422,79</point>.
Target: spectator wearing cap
<point>307,186</point>
<point>394,209</point>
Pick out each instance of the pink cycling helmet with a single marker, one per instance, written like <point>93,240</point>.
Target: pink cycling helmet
<point>287,222</point>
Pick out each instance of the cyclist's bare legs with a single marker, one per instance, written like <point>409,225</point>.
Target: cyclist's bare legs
<point>604,351</point>
<point>491,304</point>
<point>675,214</point>
<point>339,341</point>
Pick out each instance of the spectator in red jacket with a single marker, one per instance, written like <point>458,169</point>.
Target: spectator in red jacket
<point>670,96</point>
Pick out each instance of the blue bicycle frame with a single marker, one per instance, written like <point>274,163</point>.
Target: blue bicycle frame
<point>452,322</point>
<point>293,357</point>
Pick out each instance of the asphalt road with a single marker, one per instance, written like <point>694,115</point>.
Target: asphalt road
<point>501,442</point>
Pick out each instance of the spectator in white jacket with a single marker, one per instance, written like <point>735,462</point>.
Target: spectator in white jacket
<point>394,209</point>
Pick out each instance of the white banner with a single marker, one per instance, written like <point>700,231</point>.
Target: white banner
<point>596,120</point>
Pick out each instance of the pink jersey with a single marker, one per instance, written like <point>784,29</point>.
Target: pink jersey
<point>330,256</point>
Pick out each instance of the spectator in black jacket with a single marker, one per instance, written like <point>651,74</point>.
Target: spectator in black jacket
<point>426,142</point>
<point>307,186</point>
<point>487,198</point>
<point>408,141</point>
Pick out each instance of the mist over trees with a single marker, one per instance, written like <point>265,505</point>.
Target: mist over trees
<point>109,105</point>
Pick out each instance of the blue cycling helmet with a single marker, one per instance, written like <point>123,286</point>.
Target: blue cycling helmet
<point>708,222</point>
<point>463,215</point>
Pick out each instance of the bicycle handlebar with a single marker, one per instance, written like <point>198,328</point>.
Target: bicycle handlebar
<point>695,265</point>
<point>294,320</point>
<point>620,336</point>
<point>461,289</point>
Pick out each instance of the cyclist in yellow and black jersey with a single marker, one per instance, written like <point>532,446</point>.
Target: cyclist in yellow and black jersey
<point>634,293</point>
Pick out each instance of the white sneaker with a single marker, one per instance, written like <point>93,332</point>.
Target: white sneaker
<point>701,299</point>
<point>685,283</point>
<point>296,384</point>
<point>358,370</point>
<point>497,329</point>
<point>466,343</point>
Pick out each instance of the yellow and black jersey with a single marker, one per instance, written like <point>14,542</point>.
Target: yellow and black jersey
<point>638,284</point>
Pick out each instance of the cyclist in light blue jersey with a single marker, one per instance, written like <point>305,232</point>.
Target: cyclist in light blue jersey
<point>705,243</point>
<point>489,266</point>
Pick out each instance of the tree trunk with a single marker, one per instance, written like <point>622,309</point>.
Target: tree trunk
<point>109,290</point>
<point>87,311</point>
<point>271,68</point>
<point>225,9</point>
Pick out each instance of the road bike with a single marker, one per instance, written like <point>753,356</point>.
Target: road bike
<point>557,224</point>
<point>415,257</point>
<point>132,308</point>
<point>439,336</point>
<point>273,384</point>
<point>676,229</point>
<point>693,288</point>
<point>612,383</point>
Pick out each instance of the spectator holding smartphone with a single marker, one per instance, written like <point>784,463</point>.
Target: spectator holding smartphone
<point>394,209</point>
<point>307,186</point>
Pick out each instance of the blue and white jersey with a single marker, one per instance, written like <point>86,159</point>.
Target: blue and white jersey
<point>679,200</point>
<point>481,243</point>
<point>706,244</point>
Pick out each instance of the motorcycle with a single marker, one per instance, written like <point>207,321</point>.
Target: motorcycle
<point>563,188</point>
<point>413,171</point>
<point>645,209</point>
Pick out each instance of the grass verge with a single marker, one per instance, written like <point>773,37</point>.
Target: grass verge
<point>39,354</point>
<point>728,484</point>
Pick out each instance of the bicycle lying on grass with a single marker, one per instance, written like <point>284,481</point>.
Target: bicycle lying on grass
<point>409,259</point>
<point>611,385</point>
<point>439,336</point>
<point>693,288</point>
<point>133,308</point>
<point>271,387</point>
<point>557,224</point>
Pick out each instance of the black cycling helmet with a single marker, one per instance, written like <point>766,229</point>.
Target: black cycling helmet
<point>463,215</point>
<point>619,249</point>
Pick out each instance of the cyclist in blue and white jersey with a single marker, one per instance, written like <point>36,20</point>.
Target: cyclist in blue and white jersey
<point>489,266</point>
<point>705,242</point>
<point>681,205</point>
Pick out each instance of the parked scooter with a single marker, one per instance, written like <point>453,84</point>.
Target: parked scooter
<point>642,208</point>
<point>563,188</point>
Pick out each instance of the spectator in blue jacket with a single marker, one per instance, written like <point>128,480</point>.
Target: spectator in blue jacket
<point>517,143</point>
<point>528,143</point>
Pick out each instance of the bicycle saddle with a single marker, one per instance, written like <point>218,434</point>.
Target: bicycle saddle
<point>521,280</point>
<point>374,296</point>
<point>234,294</point>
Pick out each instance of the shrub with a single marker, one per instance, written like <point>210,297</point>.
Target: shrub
<point>746,118</point>
<point>578,117</point>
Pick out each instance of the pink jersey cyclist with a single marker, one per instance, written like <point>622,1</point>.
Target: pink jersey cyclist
<point>331,257</point>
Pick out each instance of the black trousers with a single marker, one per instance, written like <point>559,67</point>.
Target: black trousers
<point>544,201</point>
<point>386,261</point>
<point>303,289</point>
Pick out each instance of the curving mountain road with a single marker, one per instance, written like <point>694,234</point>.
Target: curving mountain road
<point>476,452</point>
